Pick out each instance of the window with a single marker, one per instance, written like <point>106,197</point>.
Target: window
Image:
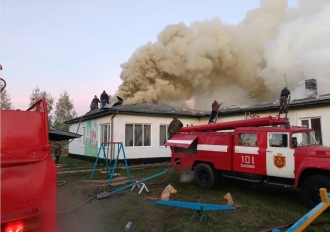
<point>302,139</point>
<point>83,136</point>
<point>163,135</point>
<point>314,124</point>
<point>278,140</point>
<point>137,135</point>
<point>104,134</point>
<point>246,139</point>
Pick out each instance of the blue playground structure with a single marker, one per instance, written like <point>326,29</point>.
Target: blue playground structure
<point>109,193</point>
<point>105,157</point>
<point>308,218</point>
<point>197,207</point>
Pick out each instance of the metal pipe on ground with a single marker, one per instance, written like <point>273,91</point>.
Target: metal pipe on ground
<point>264,121</point>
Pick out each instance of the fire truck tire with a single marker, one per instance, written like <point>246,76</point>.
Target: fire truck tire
<point>310,189</point>
<point>204,176</point>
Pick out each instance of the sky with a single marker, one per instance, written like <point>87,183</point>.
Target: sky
<point>78,46</point>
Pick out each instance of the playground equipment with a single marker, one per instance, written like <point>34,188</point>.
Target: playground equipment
<point>109,193</point>
<point>199,208</point>
<point>308,218</point>
<point>120,148</point>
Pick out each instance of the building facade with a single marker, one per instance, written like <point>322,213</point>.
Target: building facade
<point>143,128</point>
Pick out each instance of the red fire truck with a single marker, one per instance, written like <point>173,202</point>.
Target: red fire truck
<point>257,150</point>
<point>28,172</point>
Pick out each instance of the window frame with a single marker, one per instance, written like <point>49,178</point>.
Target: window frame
<point>166,134</point>
<point>143,136</point>
<point>280,133</point>
<point>101,134</point>
<point>254,133</point>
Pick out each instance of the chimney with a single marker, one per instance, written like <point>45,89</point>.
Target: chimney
<point>311,85</point>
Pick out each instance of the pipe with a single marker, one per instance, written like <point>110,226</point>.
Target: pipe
<point>264,121</point>
<point>111,135</point>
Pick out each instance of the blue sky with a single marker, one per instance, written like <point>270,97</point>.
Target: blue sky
<point>78,46</point>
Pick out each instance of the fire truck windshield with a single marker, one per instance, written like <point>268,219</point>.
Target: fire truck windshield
<point>302,139</point>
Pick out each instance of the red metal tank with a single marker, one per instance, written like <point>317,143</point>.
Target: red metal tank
<point>264,121</point>
<point>28,173</point>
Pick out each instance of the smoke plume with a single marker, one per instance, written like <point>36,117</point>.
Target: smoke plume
<point>212,60</point>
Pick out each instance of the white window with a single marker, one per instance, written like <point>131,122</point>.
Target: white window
<point>83,136</point>
<point>137,135</point>
<point>315,124</point>
<point>104,134</point>
<point>163,135</point>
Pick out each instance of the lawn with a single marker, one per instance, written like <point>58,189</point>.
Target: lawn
<point>263,207</point>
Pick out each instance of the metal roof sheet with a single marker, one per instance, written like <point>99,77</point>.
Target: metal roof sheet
<point>164,110</point>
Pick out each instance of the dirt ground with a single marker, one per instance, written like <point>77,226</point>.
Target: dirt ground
<point>263,207</point>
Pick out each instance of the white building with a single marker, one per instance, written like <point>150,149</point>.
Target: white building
<point>143,128</point>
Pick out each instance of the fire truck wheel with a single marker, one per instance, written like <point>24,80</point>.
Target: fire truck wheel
<point>310,189</point>
<point>204,176</point>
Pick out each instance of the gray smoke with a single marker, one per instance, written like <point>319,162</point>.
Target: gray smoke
<point>211,60</point>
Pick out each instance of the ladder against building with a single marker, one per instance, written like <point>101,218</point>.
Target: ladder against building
<point>285,110</point>
<point>216,116</point>
<point>121,149</point>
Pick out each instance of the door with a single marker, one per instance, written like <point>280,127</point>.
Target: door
<point>246,153</point>
<point>279,155</point>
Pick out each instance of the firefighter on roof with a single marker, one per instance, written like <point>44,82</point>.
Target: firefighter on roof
<point>215,109</point>
<point>104,98</point>
<point>94,103</point>
<point>174,127</point>
<point>284,100</point>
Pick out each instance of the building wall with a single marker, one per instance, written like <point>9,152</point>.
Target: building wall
<point>93,136</point>
<point>295,116</point>
<point>76,147</point>
<point>89,144</point>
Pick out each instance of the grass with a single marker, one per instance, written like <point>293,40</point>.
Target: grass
<point>262,206</point>
<point>80,163</point>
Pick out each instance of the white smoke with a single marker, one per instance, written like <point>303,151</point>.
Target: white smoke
<point>212,61</point>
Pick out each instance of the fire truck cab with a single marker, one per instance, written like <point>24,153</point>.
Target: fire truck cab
<point>255,150</point>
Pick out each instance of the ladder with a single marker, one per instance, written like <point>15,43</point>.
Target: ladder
<point>216,117</point>
<point>287,109</point>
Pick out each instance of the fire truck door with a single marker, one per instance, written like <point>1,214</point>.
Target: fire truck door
<point>246,153</point>
<point>279,155</point>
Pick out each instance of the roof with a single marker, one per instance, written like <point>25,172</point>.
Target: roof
<point>141,109</point>
<point>164,110</point>
<point>269,106</point>
<point>59,135</point>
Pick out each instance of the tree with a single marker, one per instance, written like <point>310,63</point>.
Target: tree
<point>37,95</point>
<point>64,111</point>
<point>5,101</point>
